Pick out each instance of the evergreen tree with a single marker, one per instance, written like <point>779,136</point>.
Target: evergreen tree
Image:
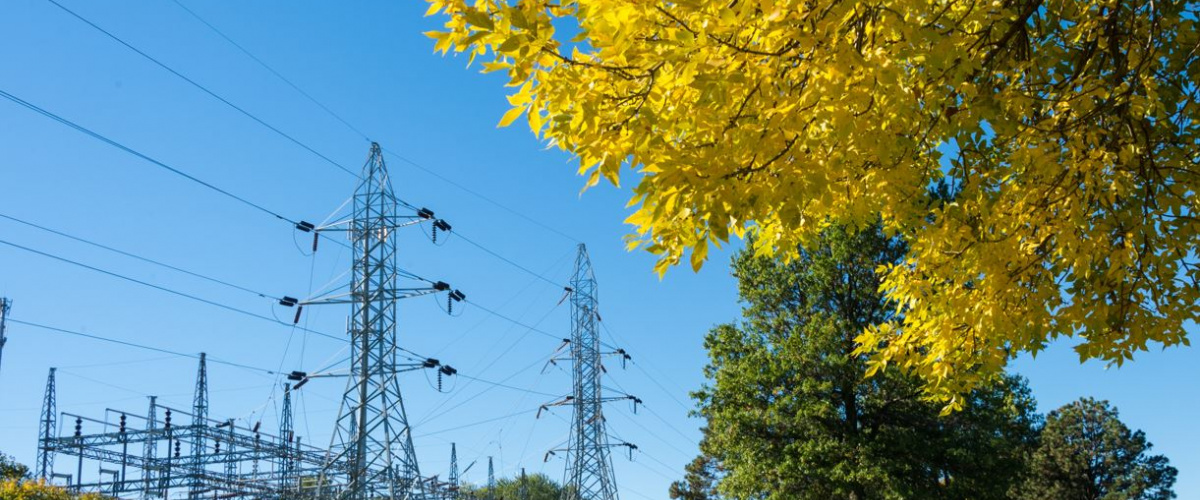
<point>699,480</point>
<point>1087,453</point>
<point>530,487</point>
<point>791,414</point>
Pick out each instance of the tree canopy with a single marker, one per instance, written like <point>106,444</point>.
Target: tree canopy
<point>530,487</point>
<point>1087,453</point>
<point>1067,129</point>
<point>792,416</point>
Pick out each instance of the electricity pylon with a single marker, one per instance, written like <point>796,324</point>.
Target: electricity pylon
<point>5,307</point>
<point>372,433</point>
<point>589,474</point>
<point>47,430</point>
<point>287,435</point>
<point>452,477</point>
<point>199,420</point>
<point>491,484</point>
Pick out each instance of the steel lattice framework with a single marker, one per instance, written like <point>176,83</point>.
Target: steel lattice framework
<point>589,474</point>
<point>372,432</point>
<point>371,456</point>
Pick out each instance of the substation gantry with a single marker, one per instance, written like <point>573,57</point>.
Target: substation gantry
<point>171,452</point>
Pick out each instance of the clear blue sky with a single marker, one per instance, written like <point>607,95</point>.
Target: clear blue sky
<point>368,62</point>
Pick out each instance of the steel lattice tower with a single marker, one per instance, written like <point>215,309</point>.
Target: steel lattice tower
<point>47,430</point>
<point>372,432</point>
<point>452,477</point>
<point>491,484</point>
<point>589,474</point>
<point>5,307</point>
<point>150,449</point>
<point>287,434</point>
<point>199,419</point>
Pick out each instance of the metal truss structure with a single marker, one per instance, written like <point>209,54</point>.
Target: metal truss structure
<point>589,471</point>
<point>127,455</point>
<point>5,307</point>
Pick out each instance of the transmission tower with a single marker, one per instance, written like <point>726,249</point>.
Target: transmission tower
<point>199,421</point>
<point>589,474</point>
<point>5,306</point>
<point>287,434</point>
<point>47,431</point>
<point>372,433</point>
<point>491,484</point>
<point>452,478</point>
<point>150,449</point>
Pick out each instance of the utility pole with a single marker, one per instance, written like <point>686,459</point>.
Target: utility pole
<point>5,307</point>
<point>47,431</point>
<point>589,474</point>
<point>372,433</point>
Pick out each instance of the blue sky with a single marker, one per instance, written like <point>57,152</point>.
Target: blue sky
<point>371,65</point>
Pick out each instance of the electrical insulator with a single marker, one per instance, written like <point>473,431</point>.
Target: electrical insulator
<point>78,426</point>
<point>217,447</point>
<point>122,423</point>
<point>176,448</point>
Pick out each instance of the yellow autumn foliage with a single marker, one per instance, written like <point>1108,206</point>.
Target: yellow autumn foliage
<point>1066,132</point>
<point>12,489</point>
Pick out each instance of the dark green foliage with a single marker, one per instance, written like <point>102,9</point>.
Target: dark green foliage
<point>10,469</point>
<point>699,480</point>
<point>535,487</point>
<point>1087,453</point>
<point>791,415</point>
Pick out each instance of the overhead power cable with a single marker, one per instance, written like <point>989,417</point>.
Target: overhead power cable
<point>481,196</point>
<point>138,257</point>
<point>127,149</point>
<point>206,90</point>
<point>138,346</point>
<point>167,167</point>
<point>168,290</point>
<point>331,113</point>
<point>506,386</point>
<point>272,70</point>
<point>510,262</point>
<point>515,322</point>
<point>480,422</point>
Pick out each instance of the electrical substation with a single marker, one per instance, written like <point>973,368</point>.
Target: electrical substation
<point>166,452</point>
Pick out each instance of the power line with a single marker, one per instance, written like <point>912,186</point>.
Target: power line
<point>510,262</point>
<point>139,346</point>
<point>506,386</point>
<point>168,290</point>
<point>138,257</point>
<point>646,373</point>
<point>514,321</point>
<point>473,424</point>
<point>272,70</point>
<point>323,107</point>
<point>481,196</point>
<point>127,149</point>
<point>327,110</point>
<point>205,90</point>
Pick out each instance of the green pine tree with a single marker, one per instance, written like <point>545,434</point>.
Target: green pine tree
<point>792,416</point>
<point>1087,453</point>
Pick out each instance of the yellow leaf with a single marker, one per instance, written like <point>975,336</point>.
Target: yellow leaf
<point>511,115</point>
